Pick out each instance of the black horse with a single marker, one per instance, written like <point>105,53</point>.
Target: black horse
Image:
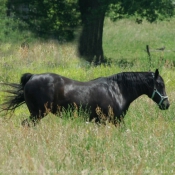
<point>51,91</point>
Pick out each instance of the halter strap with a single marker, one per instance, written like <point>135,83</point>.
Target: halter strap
<point>161,96</point>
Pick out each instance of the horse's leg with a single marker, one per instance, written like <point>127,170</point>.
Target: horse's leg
<point>35,115</point>
<point>32,120</point>
<point>25,123</point>
<point>93,117</point>
<point>119,121</point>
<point>39,99</point>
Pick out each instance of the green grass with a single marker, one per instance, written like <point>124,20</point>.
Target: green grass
<point>145,145</point>
<point>127,40</point>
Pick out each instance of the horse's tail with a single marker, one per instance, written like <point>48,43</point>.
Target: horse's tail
<point>16,94</point>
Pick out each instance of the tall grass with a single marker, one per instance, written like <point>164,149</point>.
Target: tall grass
<point>69,145</point>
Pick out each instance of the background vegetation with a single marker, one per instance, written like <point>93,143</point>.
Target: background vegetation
<point>58,19</point>
<point>69,145</point>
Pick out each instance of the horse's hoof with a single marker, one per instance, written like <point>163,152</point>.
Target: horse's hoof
<point>25,123</point>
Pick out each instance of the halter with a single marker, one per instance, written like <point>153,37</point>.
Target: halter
<point>161,96</point>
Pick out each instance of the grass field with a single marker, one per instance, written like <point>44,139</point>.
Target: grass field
<point>145,145</point>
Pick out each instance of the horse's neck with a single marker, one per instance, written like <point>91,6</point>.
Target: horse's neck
<point>135,87</point>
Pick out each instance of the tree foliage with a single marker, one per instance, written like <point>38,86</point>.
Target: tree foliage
<point>47,18</point>
<point>149,10</point>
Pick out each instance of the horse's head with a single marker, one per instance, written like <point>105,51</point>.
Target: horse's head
<point>158,92</point>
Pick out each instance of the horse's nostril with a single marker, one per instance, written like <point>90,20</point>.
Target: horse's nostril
<point>164,106</point>
<point>168,105</point>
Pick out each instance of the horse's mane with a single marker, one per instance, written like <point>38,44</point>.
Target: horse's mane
<point>131,80</point>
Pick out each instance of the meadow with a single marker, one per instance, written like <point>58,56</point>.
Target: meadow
<point>69,145</point>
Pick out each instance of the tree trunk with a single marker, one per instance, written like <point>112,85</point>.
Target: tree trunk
<point>90,42</point>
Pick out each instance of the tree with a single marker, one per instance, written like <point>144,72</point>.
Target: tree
<point>93,13</point>
<point>90,42</point>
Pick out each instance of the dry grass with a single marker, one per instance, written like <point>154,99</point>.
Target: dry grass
<point>70,145</point>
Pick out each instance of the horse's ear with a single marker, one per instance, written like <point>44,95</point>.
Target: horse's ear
<point>156,74</point>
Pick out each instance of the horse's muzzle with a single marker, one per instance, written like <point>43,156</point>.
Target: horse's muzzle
<point>165,105</point>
